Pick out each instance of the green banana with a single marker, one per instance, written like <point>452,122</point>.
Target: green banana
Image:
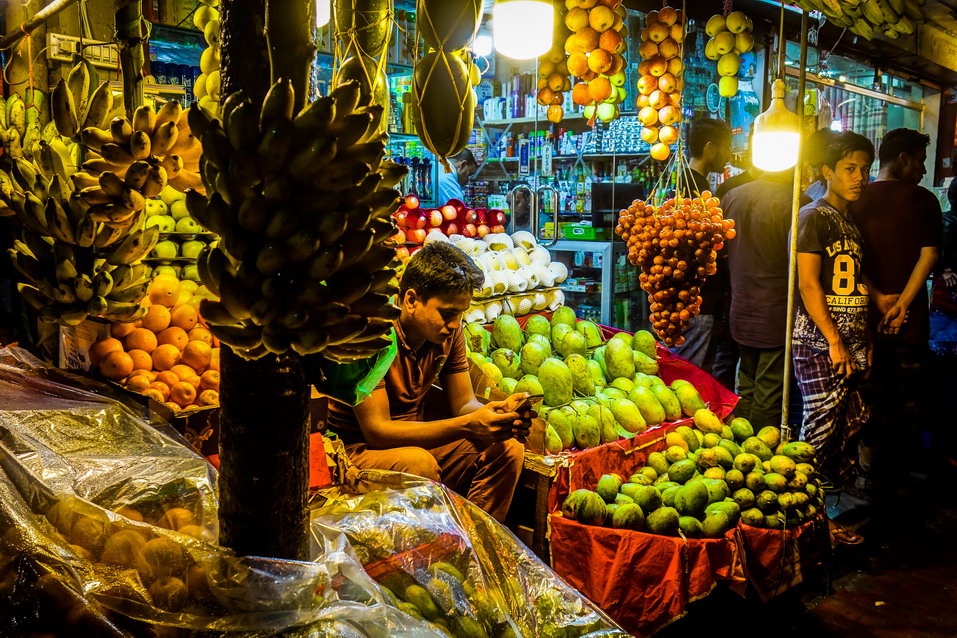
<point>78,83</point>
<point>134,247</point>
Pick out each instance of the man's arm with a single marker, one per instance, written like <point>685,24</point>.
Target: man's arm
<point>894,317</point>
<point>381,431</point>
<point>462,401</point>
<point>882,301</point>
<point>815,302</point>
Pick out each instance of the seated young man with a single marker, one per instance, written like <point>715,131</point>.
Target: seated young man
<point>474,452</point>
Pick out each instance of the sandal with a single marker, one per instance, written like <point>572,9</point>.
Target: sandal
<point>840,535</point>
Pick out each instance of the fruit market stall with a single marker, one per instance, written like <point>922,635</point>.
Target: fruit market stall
<point>112,531</point>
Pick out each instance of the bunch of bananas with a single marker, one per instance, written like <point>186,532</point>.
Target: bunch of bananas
<point>20,128</point>
<point>303,204</point>
<point>73,265</point>
<point>137,158</point>
<point>73,106</point>
<point>870,18</point>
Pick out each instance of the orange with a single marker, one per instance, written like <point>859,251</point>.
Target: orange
<point>184,316</point>
<point>601,18</point>
<point>157,318</point>
<point>214,359</point>
<point>577,64</point>
<point>208,397</point>
<point>182,393</point>
<point>660,152</point>
<point>120,330</point>
<point>580,94</point>
<point>116,365</point>
<point>182,371</point>
<point>599,89</point>
<point>554,114</point>
<point>138,383</point>
<point>162,388</point>
<point>201,334</point>
<point>141,359</point>
<point>175,336</point>
<point>164,291</point>
<point>149,374</point>
<point>610,41</point>
<point>174,407</point>
<point>599,60</point>
<point>100,349</point>
<point>154,394</point>
<point>165,356</point>
<point>209,380</point>
<point>141,339</point>
<point>168,377</point>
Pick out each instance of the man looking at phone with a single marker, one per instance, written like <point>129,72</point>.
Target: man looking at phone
<point>475,452</point>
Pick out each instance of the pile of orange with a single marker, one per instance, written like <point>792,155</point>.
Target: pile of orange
<point>553,81</point>
<point>169,355</point>
<point>660,84</point>
<point>595,49</point>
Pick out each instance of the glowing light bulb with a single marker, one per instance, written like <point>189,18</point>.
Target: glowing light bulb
<point>323,12</point>
<point>523,28</point>
<point>777,134</point>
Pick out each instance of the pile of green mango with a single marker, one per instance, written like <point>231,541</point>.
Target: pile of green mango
<point>594,391</point>
<point>706,480</point>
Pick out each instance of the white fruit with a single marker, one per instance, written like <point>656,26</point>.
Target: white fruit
<point>524,239</point>
<point>522,256</point>
<point>508,259</point>
<point>435,235</point>
<point>545,276</point>
<point>559,270</point>
<point>490,261</point>
<point>480,246</point>
<point>486,290</point>
<point>515,282</point>
<point>539,255</point>
<point>499,282</point>
<point>467,246</point>
<point>475,313</point>
<point>539,301</point>
<point>556,299</point>
<point>530,276</point>
<point>455,238</point>
<point>492,310</point>
<point>523,305</point>
<point>499,241</point>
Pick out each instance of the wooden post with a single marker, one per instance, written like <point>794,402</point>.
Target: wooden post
<point>264,436</point>
<point>131,33</point>
<point>27,18</point>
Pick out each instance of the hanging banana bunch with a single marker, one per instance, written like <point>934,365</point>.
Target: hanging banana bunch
<point>73,265</point>
<point>364,26</point>
<point>444,98</point>
<point>870,18</point>
<point>303,204</point>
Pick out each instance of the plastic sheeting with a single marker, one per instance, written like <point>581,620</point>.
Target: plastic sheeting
<point>108,528</point>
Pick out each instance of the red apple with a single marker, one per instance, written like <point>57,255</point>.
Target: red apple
<point>399,237</point>
<point>411,202</point>
<point>400,218</point>
<point>498,229</point>
<point>452,228</point>
<point>481,231</point>
<point>480,212</point>
<point>449,212</point>
<point>402,253</point>
<point>434,218</point>
<point>416,236</point>
<point>469,230</point>
<point>416,221</point>
<point>471,217</point>
<point>496,217</point>
<point>457,204</point>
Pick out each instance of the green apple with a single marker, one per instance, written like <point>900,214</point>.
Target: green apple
<point>178,209</point>
<point>165,249</point>
<point>191,286</point>
<point>155,207</point>
<point>170,195</point>
<point>607,112</point>
<point>165,222</point>
<point>191,249</point>
<point>191,272</point>
<point>620,94</point>
<point>617,79</point>
<point>170,271</point>
<point>188,225</point>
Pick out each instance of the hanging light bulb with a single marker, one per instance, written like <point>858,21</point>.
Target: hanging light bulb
<point>482,45</point>
<point>777,134</point>
<point>523,28</point>
<point>323,12</point>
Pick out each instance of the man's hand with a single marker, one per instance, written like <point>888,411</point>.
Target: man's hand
<point>949,277</point>
<point>492,422</point>
<point>520,403</point>
<point>893,319</point>
<point>841,360</point>
<point>885,302</point>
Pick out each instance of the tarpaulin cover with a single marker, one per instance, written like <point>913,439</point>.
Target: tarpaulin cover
<point>108,528</point>
<point>776,560</point>
<point>644,581</point>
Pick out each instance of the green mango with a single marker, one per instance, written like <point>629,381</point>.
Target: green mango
<point>587,432</point>
<point>669,402</point>
<point>539,325</point>
<point>644,342</point>
<point>629,516</point>
<point>572,342</point>
<point>564,420</point>
<point>582,381</point>
<point>644,363</point>
<point>649,406</point>
<point>597,375</point>
<point>591,333</point>
<point>508,362</point>
<point>532,356</point>
<point>628,416</point>
<point>688,397</point>
<point>553,443</point>
<point>619,359</point>
<point>477,338</point>
<point>556,380</point>
<point>506,333</point>
<point>606,422</point>
<point>564,315</point>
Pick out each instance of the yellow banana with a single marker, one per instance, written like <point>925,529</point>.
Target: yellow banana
<point>156,179</point>
<point>95,138</point>
<point>121,130</point>
<point>78,83</point>
<point>169,112</point>
<point>144,119</point>
<point>136,174</point>
<point>64,110</point>
<point>140,145</point>
<point>101,103</point>
<point>164,138</point>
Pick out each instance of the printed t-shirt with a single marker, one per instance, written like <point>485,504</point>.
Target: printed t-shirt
<point>408,380</point>
<point>824,230</point>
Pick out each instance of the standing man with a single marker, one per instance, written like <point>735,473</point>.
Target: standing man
<point>901,226</point>
<point>708,343</point>
<point>830,342</point>
<point>758,267</point>
<point>451,183</point>
<point>475,452</point>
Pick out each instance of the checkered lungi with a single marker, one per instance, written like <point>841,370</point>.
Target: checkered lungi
<point>834,412</point>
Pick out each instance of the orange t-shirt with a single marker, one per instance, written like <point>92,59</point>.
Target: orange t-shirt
<point>408,380</point>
